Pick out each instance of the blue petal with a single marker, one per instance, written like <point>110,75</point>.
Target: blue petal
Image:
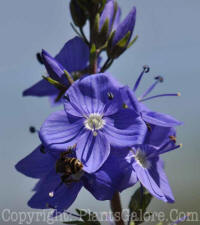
<point>74,56</point>
<point>36,164</point>
<point>41,88</point>
<point>125,26</point>
<point>113,176</point>
<point>160,119</point>
<point>57,132</point>
<point>90,95</point>
<point>159,136</point>
<point>125,129</point>
<point>64,195</point>
<point>92,151</point>
<point>154,180</point>
<point>130,99</point>
<point>117,19</point>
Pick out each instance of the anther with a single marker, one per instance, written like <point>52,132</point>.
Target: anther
<point>32,129</point>
<point>66,97</point>
<point>125,106</point>
<point>159,78</point>
<point>148,127</point>
<point>110,95</point>
<point>146,68</point>
<point>51,194</point>
<point>42,149</point>
<point>39,58</point>
<point>172,138</point>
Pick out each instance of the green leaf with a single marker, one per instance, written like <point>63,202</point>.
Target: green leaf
<point>159,223</point>
<point>138,205</point>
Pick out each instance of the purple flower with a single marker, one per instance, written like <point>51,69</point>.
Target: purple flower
<point>57,188</point>
<point>149,169</point>
<point>150,117</point>
<point>94,119</point>
<point>73,57</point>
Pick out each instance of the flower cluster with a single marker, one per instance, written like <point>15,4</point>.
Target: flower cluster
<point>105,139</point>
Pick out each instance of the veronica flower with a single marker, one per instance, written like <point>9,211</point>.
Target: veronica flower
<point>61,177</point>
<point>149,169</point>
<point>150,117</point>
<point>94,120</point>
<point>73,57</point>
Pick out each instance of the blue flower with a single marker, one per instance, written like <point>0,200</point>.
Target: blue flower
<point>94,120</point>
<point>57,188</point>
<point>74,56</point>
<point>149,169</point>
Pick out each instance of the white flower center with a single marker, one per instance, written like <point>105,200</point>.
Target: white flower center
<point>94,122</point>
<point>141,159</point>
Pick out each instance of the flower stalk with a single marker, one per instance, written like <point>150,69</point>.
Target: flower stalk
<point>116,208</point>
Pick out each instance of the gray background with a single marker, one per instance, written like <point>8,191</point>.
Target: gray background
<point>169,41</point>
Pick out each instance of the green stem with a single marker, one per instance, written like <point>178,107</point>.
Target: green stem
<point>116,208</point>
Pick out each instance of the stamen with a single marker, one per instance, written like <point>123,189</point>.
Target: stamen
<point>125,106</point>
<point>158,96</point>
<point>142,159</point>
<point>39,58</point>
<point>172,138</point>
<point>159,79</point>
<point>148,126</point>
<point>170,149</point>
<point>110,95</point>
<point>94,122</point>
<point>42,149</point>
<point>146,69</point>
<point>66,97</point>
<point>52,193</point>
<point>32,129</point>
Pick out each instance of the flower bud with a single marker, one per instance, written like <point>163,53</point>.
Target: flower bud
<point>78,14</point>
<point>120,38</point>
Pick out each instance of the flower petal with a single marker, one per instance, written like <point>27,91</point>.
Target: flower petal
<point>152,178</point>
<point>63,197</point>
<point>36,164</point>
<point>90,95</point>
<point>113,176</point>
<point>159,136</point>
<point>160,119</point>
<point>130,99</point>
<point>125,129</point>
<point>57,132</point>
<point>40,89</point>
<point>74,56</point>
<point>92,151</point>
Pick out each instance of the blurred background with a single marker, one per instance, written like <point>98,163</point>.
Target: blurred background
<point>169,41</point>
